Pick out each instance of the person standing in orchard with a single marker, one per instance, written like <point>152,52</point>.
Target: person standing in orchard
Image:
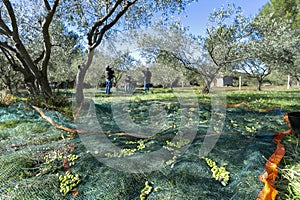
<point>109,75</point>
<point>147,79</point>
<point>127,83</point>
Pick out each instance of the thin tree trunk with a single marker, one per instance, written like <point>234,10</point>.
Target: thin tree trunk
<point>298,80</point>
<point>207,86</point>
<point>260,81</point>
<point>79,85</point>
<point>79,82</point>
<point>288,82</point>
<point>206,89</point>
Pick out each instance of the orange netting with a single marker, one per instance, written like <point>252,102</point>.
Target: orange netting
<point>249,107</point>
<point>268,178</point>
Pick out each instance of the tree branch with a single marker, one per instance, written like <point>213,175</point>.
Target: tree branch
<point>101,21</point>
<point>38,59</point>
<point>11,60</point>
<point>13,20</point>
<point>109,133</point>
<point>47,5</point>
<point>46,34</point>
<point>106,27</point>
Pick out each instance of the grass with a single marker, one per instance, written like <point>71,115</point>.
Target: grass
<point>288,100</point>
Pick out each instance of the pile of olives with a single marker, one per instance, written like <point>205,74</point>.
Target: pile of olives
<point>68,182</point>
<point>218,173</point>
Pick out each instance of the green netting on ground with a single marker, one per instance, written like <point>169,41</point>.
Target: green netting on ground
<point>32,151</point>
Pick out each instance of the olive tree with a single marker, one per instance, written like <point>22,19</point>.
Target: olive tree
<point>255,46</point>
<point>288,11</point>
<point>225,34</point>
<point>284,9</point>
<point>270,45</point>
<point>206,55</point>
<point>25,30</point>
<point>98,19</point>
<point>25,33</point>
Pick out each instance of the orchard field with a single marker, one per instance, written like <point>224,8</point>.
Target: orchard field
<point>52,152</point>
<point>63,136</point>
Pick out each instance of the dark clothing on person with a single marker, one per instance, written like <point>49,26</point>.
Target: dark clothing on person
<point>147,79</point>
<point>109,75</point>
<point>127,83</point>
<point>147,76</point>
<point>146,86</point>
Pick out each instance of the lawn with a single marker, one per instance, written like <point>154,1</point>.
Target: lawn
<point>161,145</point>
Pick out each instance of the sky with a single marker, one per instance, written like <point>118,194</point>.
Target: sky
<point>196,14</point>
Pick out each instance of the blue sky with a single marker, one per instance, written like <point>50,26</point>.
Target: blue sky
<point>198,13</point>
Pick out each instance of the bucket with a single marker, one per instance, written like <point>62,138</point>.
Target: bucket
<point>294,118</point>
